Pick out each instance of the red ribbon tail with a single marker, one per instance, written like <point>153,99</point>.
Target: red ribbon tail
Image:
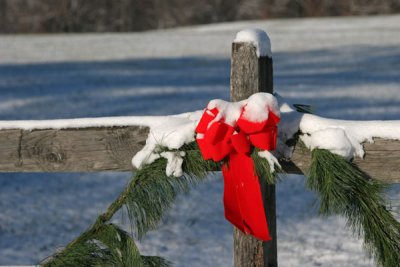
<point>231,203</point>
<point>243,195</point>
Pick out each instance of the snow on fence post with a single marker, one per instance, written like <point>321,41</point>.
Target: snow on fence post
<point>251,72</point>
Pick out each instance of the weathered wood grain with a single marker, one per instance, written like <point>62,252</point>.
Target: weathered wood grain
<point>381,160</point>
<point>249,75</point>
<point>9,149</point>
<point>111,149</point>
<point>70,150</point>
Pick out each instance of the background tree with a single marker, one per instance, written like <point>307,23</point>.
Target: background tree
<point>18,16</point>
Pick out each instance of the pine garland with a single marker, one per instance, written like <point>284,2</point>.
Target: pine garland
<point>343,189</point>
<point>149,194</point>
<point>346,190</point>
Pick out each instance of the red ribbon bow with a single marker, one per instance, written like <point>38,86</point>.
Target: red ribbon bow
<point>243,202</point>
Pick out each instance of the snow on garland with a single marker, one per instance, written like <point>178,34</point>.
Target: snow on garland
<point>171,162</point>
<point>341,137</point>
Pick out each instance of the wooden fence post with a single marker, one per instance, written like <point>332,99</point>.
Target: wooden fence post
<point>252,74</point>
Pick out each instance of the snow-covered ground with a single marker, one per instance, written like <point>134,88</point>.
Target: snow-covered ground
<point>347,68</point>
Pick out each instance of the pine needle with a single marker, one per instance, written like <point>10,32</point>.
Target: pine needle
<point>262,168</point>
<point>347,191</point>
<point>81,254</point>
<point>152,192</point>
<point>153,261</point>
<point>108,246</point>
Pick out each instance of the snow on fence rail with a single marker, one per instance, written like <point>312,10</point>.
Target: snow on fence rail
<point>108,144</point>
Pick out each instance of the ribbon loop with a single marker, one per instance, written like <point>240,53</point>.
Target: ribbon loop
<point>266,139</point>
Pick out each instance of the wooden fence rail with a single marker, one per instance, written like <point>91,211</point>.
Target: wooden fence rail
<point>111,149</point>
<point>71,150</point>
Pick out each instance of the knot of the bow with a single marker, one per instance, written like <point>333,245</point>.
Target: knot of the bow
<point>217,139</point>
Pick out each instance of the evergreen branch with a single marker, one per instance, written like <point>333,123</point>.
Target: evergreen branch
<point>79,254</point>
<point>148,195</point>
<point>153,261</point>
<point>153,192</point>
<point>347,191</point>
<point>262,168</point>
<point>94,229</point>
<point>109,246</point>
<point>121,247</point>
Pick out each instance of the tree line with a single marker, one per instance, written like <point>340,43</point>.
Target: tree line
<point>32,16</point>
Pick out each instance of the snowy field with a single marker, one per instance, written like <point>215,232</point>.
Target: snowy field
<point>346,68</point>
